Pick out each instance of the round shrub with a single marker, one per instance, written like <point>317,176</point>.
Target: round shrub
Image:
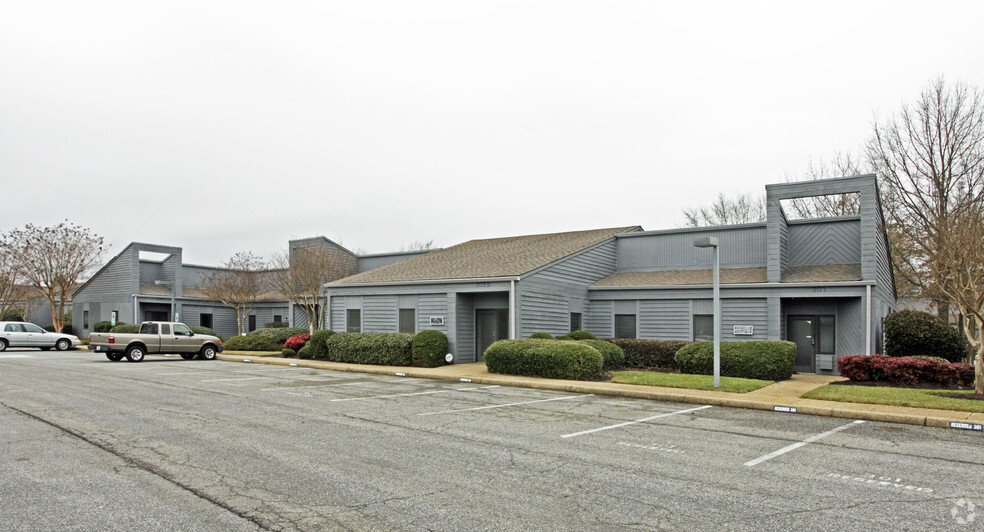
<point>429,348</point>
<point>581,335</point>
<point>280,334</point>
<point>104,326</point>
<point>126,328</point>
<point>306,352</point>
<point>544,358</point>
<point>912,333</point>
<point>288,353</point>
<point>255,342</point>
<point>317,342</point>
<point>767,360</point>
<point>649,353</point>
<point>541,336</point>
<point>612,355</point>
<point>198,329</point>
<point>297,342</point>
<point>384,349</point>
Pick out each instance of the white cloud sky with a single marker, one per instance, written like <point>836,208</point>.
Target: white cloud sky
<point>232,126</point>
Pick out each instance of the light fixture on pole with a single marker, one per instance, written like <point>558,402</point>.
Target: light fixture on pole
<point>170,284</point>
<point>713,242</point>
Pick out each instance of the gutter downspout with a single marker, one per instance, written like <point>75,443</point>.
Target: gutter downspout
<point>135,308</point>
<point>867,321</point>
<point>512,309</point>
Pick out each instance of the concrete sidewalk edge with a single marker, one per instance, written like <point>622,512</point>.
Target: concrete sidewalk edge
<point>758,401</point>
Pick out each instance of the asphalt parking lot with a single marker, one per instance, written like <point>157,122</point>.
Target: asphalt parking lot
<point>220,445</point>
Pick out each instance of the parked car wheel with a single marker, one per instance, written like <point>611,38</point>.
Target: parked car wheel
<point>207,352</point>
<point>3,344</point>
<point>187,356</point>
<point>135,353</point>
<point>46,348</point>
<point>63,344</point>
<point>115,357</point>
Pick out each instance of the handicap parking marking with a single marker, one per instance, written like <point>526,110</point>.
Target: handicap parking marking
<point>489,407</point>
<point>797,445</point>
<point>627,423</point>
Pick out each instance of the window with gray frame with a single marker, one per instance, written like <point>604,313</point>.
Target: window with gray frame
<point>703,327</point>
<point>353,320</point>
<point>625,326</point>
<point>408,320</point>
<point>827,335</point>
<point>575,321</point>
<point>205,320</point>
<point>85,319</point>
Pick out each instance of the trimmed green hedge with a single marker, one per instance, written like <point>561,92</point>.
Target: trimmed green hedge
<point>125,328</point>
<point>649,353</point>
<point>306,352</point>
<point>384,349</point>
<point>550,359</point>
<point>912,333</point>
<point>581,335</point>
<point>768,360</point>
<point>254,342</point>
<point>429,348</point>
<point>317,342</point>
<point>288,353</point>
<point>541,336</point>
<point>105,326</point>
<point>280,334</point>
<point>198,329</point>
<point>612,355</point>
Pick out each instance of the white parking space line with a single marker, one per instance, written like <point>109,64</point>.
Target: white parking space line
<point>306,387</point>
<point>410,394</point>
<point>16,356</point>
<point>240,379</point>
<point>627,423</point>
<point>506,405</point>
<point>793,447</point>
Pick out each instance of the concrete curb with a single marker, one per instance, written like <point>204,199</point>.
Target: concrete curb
<point>878,413</point>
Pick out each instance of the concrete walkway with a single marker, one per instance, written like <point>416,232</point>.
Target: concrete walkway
<point>781,394</point>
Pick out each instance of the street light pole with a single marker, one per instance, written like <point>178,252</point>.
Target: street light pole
<point>713,242</point>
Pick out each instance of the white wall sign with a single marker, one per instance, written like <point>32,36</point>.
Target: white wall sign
<point>744,330</point>
<point>437,320</point>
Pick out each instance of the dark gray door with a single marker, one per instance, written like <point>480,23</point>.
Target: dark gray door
<point>802,332</point>
<point>490,325</point>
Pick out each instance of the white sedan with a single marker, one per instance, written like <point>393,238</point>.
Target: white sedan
<point>18,334</point>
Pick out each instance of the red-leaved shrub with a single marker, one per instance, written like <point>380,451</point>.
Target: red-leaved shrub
<point>297,342</point>
<point>906,371</point>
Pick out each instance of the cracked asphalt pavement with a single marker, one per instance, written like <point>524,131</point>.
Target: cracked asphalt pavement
<point>86,443</point>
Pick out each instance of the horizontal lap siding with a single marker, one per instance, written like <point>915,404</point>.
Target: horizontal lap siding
<point>754,312</point>
<point>464,348</point>
<point>379,314</point>
<point>117,278</point>
<point>664,319</point>
<point>667,251</point>
<point>429,305</point>
<point>599,320</point>
<point>825,243</point>
<point>544,313</point>
<point>336,318</point>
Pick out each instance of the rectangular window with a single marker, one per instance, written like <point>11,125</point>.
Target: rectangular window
<point>408,320</point>
<point>703,328</point>
<point>85,319</point>
<point>165,328</point>
<point>625,326</point>
<point>205,320</point>
<point>353,320</point>
<point>278,318</point>
<point>826,335</point>
<point>575,321</point>
<point>252,322</point>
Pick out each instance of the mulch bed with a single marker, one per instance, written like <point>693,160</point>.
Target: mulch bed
<point>924,386</point>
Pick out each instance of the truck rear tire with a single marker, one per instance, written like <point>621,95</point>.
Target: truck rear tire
<point>135,353</point>
<point>207,353</point>
<point>115,357</point>
<point>187,356</point>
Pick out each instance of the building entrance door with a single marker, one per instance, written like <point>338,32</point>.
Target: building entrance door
<point>490,325</point>
<point>813,335</point>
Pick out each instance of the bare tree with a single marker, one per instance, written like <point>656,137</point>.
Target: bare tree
<point>300,275</point>
<point>418,245</point>
<point>237,284</point>
<point>931,157</point>
<point>742,208</point>
<point>8,281</point>
<point>52,260</point>
<point>842,164</point>
<point>959,265</point>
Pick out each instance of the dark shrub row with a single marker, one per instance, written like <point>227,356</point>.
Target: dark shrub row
<point>253,342</point>
<point>429,349</point>
<point>125,328</point>
<point>768,360</point>
<point>317,341</point>
<point>612,355</point>
<point>198,329</point>
<point>385,349</point>
<point>104,326</point>
<point>906,371</point>
<point>649,354</point>
<point>280,334</point>
<point>913,333</point>
<point>551,359</point>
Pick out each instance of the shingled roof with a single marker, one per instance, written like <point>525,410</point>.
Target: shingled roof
<point>488,258</point>
<point>814,273</point>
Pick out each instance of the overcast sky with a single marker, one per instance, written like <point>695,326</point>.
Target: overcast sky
<point>231,126</point>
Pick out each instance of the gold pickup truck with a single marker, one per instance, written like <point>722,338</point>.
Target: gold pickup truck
<point>156,337</point>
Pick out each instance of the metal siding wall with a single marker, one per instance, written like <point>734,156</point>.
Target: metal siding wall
<point>850,327</point>
<point>599,319</point>
<point>739,247</point>
<point>543,312</point>
<point>432,305</point>
<point>465,345</point>
<point>825,242</point>
<point>117,280</point>
<point>664,319</point>
<point>299,319</point>
<point>379,314</point>
<point>336,316</point>
<point>193,275</point>
<point>754,312</point>
<point>150,272</point>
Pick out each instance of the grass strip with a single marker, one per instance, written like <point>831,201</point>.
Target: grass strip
<point>693,382</point>
<point>885,395</point>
